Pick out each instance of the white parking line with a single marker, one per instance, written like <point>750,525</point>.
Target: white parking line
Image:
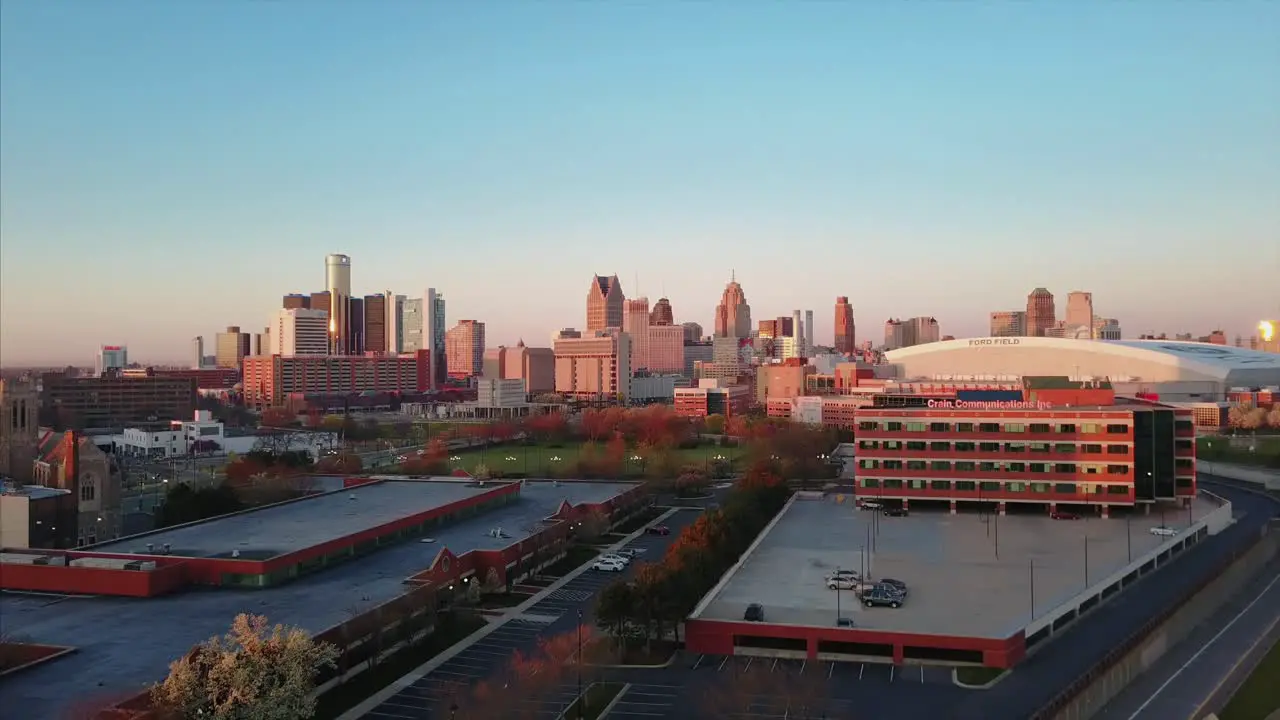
<point>698,662</point>
<point>722,662</point>
<point>861,669</point>
<point>831,670</point>
<point>772,667</point>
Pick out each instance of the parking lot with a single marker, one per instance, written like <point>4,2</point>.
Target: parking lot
<point>644,701</point>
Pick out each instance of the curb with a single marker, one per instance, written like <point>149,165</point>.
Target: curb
<point>955,680</point>
<point>670,661</point>
<point>368,704</point>
<point>604,712</point>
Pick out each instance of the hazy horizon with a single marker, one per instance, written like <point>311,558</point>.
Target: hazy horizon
<point>170,169</point>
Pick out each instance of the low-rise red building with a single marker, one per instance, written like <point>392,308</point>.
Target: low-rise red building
<point>270,379</point>
<point>712,398</point>
<point>1026,452</point>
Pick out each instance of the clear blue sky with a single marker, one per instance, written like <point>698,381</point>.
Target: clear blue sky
<point>168,168</point>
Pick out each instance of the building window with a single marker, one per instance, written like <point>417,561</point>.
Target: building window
<point>868,425</point>
<point>1183,444</point>
<point>1184,425</point>
<point>891,445</point>
<point>1014,427</point>
<point>916,445</point>
<point>988,466</point>
<point>869,445</point>
<point>965,447</point>
<point>1039,447</point>
<point>1016,487</point>
<point>964,427</point>
<point>1067,429</point>
<point>893,426</point>
<point>939,485</point>
<point>1038,467</point>
<point>989,447</point>
<point>939,427</point>
<point>1040,427</point>
<point>870,483</point>
<point>965,486</point>
<point>1065,488</point>
<point>989,427</point>
<point>1016,467</point>
<point>1064,447</point>
<point>1183,482</point>
<point>917,465</point>
<point>965,466</point>
<point>1091,469</point>
<point>892,484</point>
<point>916,484</point>
<point>1184,463</point>
<point>1117,429</point>
<point>1064,468</point>
<point>1117,490</point>
<point>1117,449</point>
<point>1117,469</point>
<point>869,464</point>
<point>1089,428</point>
<point>1015,447</point>
<point>1037,487</point>
<point>941,465</point>
<point>87,493</point>
<point>987,486</point>
<point>915,427</point>
<point>1091,448</point>
<point>892,465</point>
<point>937,446</point>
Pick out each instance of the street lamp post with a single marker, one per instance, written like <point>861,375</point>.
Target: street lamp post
<point>1086,561</point>
<point>1031,565</point>
<point>1128,534</point>
<point>582,702</point>
<point>837,584</point>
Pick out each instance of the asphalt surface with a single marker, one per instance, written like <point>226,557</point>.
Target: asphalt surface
<point>857,690</point>
<point>553,615</point>
<point>1198,675</point>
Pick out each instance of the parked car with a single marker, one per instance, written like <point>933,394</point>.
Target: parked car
<point>896,585</point>
<point>869,505</point>
<point>608,566</point>
<point>881,595</point>
<point>844,573</point>
<point>658,530</point>
<point>1163,531</point>
<point>895,512</point>
<point>844,582</point>
<point>614,557</point>
<point>754,613</point>
<point>845,622</point>
<point>1063,516</point>
<point>631,553</point>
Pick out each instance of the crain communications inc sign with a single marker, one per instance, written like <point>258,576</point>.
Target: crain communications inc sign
<point>981,342</point>
<point>988,405</point>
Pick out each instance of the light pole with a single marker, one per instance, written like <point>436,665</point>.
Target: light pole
<point>582,702</point>
<point>1031,565</point>
<point>1128,534</point>
<point>836,582</point>
<point>1086,561</point>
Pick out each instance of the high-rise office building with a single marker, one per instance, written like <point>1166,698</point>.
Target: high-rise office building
<point>767,329</point>
<point>395,326</point>
<point>662,316</point>
<point>1041,315</point>
<point>604,303</point>
<point>692,332</point>
<point>433,335</point>
<point>808,332</point>
<point>296,301</point>
<point>635,322</point>
<point>910,332</point>
<point>1008,323</point>
<point>376,321</point>
<point>665,352</point>
<point>319,301</point>
<point>111,356</point>
<point>300,331</point>
<point>846,336</point>
<point>797,332</point>
<point>1079,320</point>
<point>197,348</point>
<point>733,314</point>
<point>464,348</point>
<point>412,325</point>
<point>337,274</point>
<point>231,347</point>
<point>594,367</point>
<point>355,326</point>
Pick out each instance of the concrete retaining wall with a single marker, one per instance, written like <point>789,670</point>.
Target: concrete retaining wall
<point>1196,610</point>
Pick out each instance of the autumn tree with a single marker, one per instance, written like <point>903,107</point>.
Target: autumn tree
<point>714,424</point>
<point>254,671</point>
<point>344,463</point>
<point>277,417</point>
<point>1273,417</point>
<point>692,482</point>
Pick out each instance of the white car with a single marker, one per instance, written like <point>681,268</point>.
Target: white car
<point>853,574</point>
<point>1163,531</point>
<point>608,566</point>
<point>845,582</point>
<point>614,557</point>
<point>869,505</point>
<point>630,553</point>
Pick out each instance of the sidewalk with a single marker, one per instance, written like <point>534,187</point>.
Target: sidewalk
<point>512,613</point>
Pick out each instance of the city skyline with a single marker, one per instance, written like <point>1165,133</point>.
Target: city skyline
<point>1097,154</point>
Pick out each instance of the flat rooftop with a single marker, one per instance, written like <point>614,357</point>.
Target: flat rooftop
<point>958,586</point>
<point>282,529</point>
<point>125,644</point>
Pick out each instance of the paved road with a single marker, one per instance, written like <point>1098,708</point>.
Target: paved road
<point>553,615</point>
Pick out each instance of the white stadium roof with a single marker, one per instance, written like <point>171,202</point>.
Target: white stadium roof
<point>1026,355</point>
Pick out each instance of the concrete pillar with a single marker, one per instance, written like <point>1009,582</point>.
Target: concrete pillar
<point>1146,508</point>
<point>905,503</point>
<point>953,507</point>
<point>1053,508</point>
<point>1106,511</point>
<point>1000,508</point>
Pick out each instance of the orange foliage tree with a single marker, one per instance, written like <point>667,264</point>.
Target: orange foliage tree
<point>278,417</point>
<point>344,463</point>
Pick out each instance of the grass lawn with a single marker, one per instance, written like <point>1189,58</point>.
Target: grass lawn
<point>594,700</point>
<point>451,629</point>
<point>974,675</point>
<point>1260,694</point>
<point>542,460</point>
<point>1265,452</point>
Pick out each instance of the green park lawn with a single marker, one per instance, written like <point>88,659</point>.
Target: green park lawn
<point>1260,694</point>
<point>1262,450</point>
<point>538,460</point>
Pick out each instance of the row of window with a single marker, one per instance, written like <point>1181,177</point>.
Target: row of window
<point>971,466</point>
<point>993,427</point>
<point>1008,447</point>
<point>1009,487</point>
<point>997,487</point>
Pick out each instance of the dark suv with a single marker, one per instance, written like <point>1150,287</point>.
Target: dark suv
<point>881,595</point>
<point>895,512</point>
<point>754,613</point>
<point>895,586</point>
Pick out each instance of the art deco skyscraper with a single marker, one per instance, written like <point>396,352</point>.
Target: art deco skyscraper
<point>733,314</point>
<point>604,303</point>
<point>337,281</point>
<point>1040,312</point>
<point>845,333</point>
